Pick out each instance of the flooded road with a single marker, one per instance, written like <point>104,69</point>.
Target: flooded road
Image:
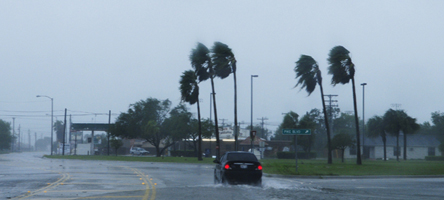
<point>29,176</point>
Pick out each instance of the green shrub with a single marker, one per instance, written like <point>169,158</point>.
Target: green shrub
<point>434,158</point>
<point>301,155</point>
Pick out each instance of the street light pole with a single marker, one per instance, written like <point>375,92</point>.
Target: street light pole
<point>251,125</point>
<point>363,119</point>
<point>52,117</point>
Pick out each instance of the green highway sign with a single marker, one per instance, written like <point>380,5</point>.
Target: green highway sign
<point>296,132</point>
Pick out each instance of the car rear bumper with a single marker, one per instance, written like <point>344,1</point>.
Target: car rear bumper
<point>243,176</point>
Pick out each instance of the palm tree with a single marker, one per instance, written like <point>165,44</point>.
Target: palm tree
<point>393,124</point>
<point>308,73</point>
<point>203,67</point>
<point>343,70</point>
<point>225,64</point>
<point>189,90</point>
<point>409,126</point>
<point>375,127</point>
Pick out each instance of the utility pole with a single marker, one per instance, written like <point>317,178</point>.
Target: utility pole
<point>261,149</point>
<point>19,138</point>
<point>223,123</point>
<point>330,110</point>
<point>396,105</point>
<point>262,123</point>
<point>109,125</point>
<point>69,132</point>
<point>29,140</point>
<point>13,130</point>
<point>64,134</point>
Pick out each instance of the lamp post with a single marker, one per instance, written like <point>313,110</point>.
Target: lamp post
<point>363,120</point>
<point>52,116</point>
<point>251,125</point>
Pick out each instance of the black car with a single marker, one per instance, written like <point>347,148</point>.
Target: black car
<point>238,167</point>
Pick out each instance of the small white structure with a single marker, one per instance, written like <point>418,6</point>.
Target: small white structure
<point>418,147</point>
<point>83,149</point>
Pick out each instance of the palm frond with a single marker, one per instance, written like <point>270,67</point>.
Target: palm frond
<point>340,65</point>
<point>201,61</point>
<point>306,72</point>
<point>189,88</point>
<point>223,60</point>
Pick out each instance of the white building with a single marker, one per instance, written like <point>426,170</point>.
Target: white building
<point>418,147</point>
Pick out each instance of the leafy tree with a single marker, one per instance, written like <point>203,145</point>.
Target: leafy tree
<point>343,70</point>
<point>206,132</point>
<point>58,127</point>
<point>426,129</point>
<point>178,123</point>
<point>225,64</point>
<point>306,141</point>
<point>291,121</point>
<point>203,66</point>
<point>344,124</point>
<point>309,74</point>
<point>341,141</point>
<point>144,120</point>
<point>441,147</point>
<point>116,143</point>
<point>42,144</point>
<point>5,135</point>
<point>438,125</point>
<point>189,90</point>
<point>375,126</point>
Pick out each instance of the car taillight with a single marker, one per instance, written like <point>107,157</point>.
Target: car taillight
<point>259,167</point>
<point>227,166</point>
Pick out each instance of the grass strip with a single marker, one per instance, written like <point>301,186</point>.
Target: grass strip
<point>305,167</point>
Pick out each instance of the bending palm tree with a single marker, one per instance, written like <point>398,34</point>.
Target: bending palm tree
<point>203,67</point>
<point>343,70</point>
<point>225,64</point>
<point>307,70</point>
<point>189,91</point>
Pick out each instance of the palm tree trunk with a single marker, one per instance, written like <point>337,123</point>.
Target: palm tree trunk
<point>236,131</point>
<point>199,152</point>
<point>397,147</point>
<point>405,146</point>
<point>384,141</point>
<point>330,160</point>
<point>358,141</point>
<point>215,121</point>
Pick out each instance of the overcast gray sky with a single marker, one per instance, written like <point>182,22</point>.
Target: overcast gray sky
<point>96,56</point>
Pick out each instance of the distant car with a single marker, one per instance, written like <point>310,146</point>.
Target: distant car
<point>238,167</point>
<point>138,151</point>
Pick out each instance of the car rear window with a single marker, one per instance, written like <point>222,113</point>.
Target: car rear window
<point>242,157</point>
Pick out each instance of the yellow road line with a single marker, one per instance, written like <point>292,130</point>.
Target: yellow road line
<point>65,177</point>
<point>146,180</point>
<point>86,183</point>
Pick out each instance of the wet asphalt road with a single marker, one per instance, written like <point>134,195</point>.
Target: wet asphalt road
<point>29,176</point>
